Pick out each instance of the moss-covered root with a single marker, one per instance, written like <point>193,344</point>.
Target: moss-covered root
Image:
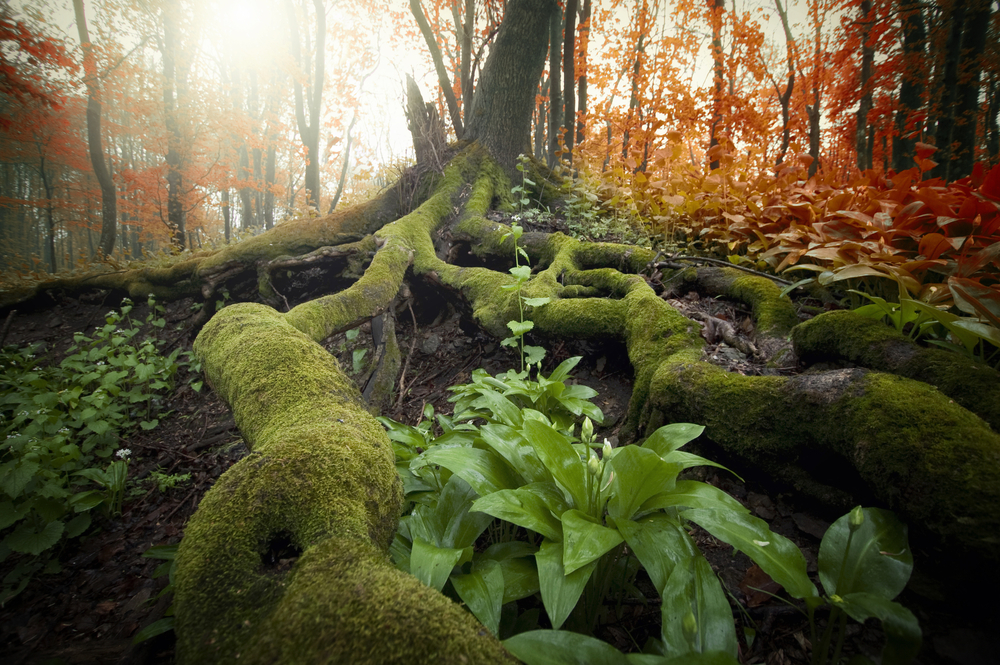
<point>928,459</point>
<point>844,335</point>
<point>774,314</point>
<point>321,482</point>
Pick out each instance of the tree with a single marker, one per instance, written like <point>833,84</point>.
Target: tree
<point>321,478</point>
<point>309,98</point>
<point>911,89</point>
<point>109,197</point>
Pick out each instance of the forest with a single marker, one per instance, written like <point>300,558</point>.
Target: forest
<point>556,331</point>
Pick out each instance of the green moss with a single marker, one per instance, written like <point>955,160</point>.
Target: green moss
<point>774,314</point>
<point>845,335</point>
<point>322,473</point>
<point>347,604</point>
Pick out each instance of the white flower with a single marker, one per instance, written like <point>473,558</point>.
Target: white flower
<point>123,453</point>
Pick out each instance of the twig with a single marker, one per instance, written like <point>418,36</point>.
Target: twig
<point>406,365</point>
<point>702,259</point>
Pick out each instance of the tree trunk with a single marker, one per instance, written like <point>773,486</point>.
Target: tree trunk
<point>173,82</point>
<point>109,202</point>
<point>555,103</point>
<point>719,73</point>
<point>569,73</point>
<point>911,89</point>
<point>501,110</point>
<point>967,108</point>
<point>311,99</point>
<point>865,105</point>
<point>785,98</point>
<point>581,127</point>
<point>944,134</point>
<point>442,72</point>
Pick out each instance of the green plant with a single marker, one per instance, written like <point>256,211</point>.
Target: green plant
<point>864,562</point>
<point>59,422</point>
<point>977,337</point>
<point>167,554</point>
<point>166,481</point>
<point>530,355</point>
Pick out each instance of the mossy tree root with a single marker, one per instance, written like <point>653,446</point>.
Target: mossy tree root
<point>320,485</point>
<point>844,335</point>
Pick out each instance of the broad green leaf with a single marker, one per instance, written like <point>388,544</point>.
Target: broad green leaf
<point>695,614</point>
<point>560,592</point>
<point>484,470</point>
<point>503,409</point>
<point>584,540</point>
<point>559,457</point>
<point>456,524</point>
<point>639,474</point>
<point>902,631</point>
<point>671,437</point>
<point>693,494</point>
<point>564,368</point>
<point>522,273</point>
<point>95,474</point>
<point>27,539</point>
<point>776,555</point>
<point>523,508</point>
<point>520,579</point>
<point>533,354</point>
<point>99,426</point>
<point>510,445</point>
<point>18,475</point>
<point>519,328</point>
<point>537,302</point>
<point>562,647</point>
<point>77,525</point>
<point>878,561</point>
<point>688,460</point>
<point>660,543</point>
<point>431,564</point>
<point>482,591</point>
<point>158,627</point>
<point>9,513</point>
<point>980,329</point>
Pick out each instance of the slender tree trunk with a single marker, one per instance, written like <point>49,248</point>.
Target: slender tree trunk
<point>569,73</point>
<point>172,80</point>
<point>911,89</point>
<point>967,108</point>
<point>310,99</point>
<point>109,203</point>
<point>992,124</point>
<point>865,105</point>
<point>439,67</point>
<point>719,72</point>
<point>49,215</point>
<point>269,184</point>
<point>555,103</point>
<point>944,134</point>
<point>581,125</point>
<point>246,200</point>
<point>785,98</point>
<point>503,101</point>
<point>227,215</point>
<point>813,111</point>
<point>468,27</point>
<point>345,165</point>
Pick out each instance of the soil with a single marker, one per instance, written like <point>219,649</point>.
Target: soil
<point>106,592</point>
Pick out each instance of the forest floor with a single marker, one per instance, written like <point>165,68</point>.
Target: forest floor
<point>105,593</point>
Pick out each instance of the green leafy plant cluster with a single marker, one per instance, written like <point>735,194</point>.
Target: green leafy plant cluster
<point>530,355</point>
<point>509,501</point>
<point>61,424</point>
<point>976,336</point>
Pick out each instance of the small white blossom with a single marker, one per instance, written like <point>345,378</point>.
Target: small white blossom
<point>124,453</point>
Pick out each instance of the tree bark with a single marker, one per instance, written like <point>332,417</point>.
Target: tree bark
<point>555,92</point>
<point>718,72</point>
<point>442,72</point>
<point>501,108</point>
<point>109,200</point>
<point>911,89</point>
<point>865,75</point>
<point>311,98</point>
<point>581,126</point>
<point>967,108</point>
<point>173,84</point>
<point>785,98</point>
<point>569,73</point>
